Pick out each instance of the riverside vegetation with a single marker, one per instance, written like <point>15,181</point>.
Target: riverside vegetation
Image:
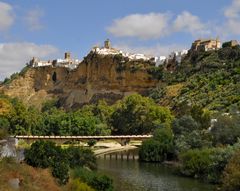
<point>204,86</point>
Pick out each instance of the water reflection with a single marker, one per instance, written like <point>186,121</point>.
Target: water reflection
<point>131,175</point>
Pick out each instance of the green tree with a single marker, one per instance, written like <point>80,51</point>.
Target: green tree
<point>185,124</point>
<point>4,127</point>
<point>226,130</point>
<point>44,154</point>
<point>201,116</point>
<point>138,115</point>
<point>60,170</point>
<point>158,148</point>
<point>80,157</point>
<point>231,174</point>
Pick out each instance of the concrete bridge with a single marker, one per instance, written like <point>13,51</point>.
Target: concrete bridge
<point>122,139</point>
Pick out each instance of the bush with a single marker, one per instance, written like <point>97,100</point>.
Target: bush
<point>77,185</point>
<point>4,127</point>
<point>158,148</point>
<point>60,171</point>
<point>97,181</point>
<point>44,154</point>
<point>231,174</point>
<point>185,124</point>
<point>206,164</point>
<point>79,157</point>
<point>226,130</point>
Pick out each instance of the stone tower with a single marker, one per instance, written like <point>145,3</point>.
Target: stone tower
<point>67,55</point>
<point>107,44</point>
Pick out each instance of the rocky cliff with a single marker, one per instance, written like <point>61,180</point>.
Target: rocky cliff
<point>108,77</point>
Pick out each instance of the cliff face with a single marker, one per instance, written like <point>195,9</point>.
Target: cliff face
<point>97,77</point>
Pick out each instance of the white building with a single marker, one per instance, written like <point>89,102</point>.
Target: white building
<point>67,62</point>
<point>159,60</point>
<point>177,55</point>
<point>108,50</point>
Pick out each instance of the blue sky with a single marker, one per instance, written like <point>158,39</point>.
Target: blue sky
<point>47,28</point>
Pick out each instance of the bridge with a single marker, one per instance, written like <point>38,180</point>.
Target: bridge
<point>122,139</point>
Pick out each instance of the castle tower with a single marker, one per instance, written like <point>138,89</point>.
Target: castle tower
<point>67,55</point>
<point>107,44</point>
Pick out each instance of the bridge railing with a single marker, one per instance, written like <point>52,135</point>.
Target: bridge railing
<point>81,137</point>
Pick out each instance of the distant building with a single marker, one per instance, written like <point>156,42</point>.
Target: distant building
<point>206,44</point>
<point>231,43</point>
<point>67,55</point>
<point>177,56</point>
<point>108,50</point>
<point>107,44</point>
<point>67,62</point>
<point>159,60</point>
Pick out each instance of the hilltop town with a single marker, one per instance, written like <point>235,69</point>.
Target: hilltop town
<point>107,49</point>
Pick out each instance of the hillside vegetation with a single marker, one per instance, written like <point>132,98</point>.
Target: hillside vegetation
<point>208,79</point>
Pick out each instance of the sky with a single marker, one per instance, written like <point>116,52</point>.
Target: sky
<point>48,28</point>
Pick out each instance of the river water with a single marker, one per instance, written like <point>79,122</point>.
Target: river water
<point>131,175</point>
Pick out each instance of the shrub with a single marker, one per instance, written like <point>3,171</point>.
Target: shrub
<point>60,171</point>
<point>207,164</point>
<point>226,130</point>
<point>43,154</point>
<point>77,185</point>
<point>91,142</point>
<point>231,174</point>
<point>185,124</point>
<point>158,148</point>
<point>97,181</point>
<point>79,157</point>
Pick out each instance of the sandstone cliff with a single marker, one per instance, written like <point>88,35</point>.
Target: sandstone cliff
<point>108,77</point>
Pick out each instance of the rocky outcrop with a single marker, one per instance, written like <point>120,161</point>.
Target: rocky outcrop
<point>108,77</point>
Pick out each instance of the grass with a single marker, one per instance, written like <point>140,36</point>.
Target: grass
<point>31,179</point>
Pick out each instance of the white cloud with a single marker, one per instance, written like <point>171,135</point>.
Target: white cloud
<point>233,11</point>
<point>190,23</point>
<point>14,56</point>
<point>6,16</point>
<point>156,50</point>
<point>143,26</point>
<point>232,15</point>
<point>33,19</point>
<point>157,25</point>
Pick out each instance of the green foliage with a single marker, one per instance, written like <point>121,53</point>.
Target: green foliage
<point>207,164</point>
<point>77,185</point>
<point>185,124</point>
<point>4,127</point>
<point>43,154</point>
<point>202,117</point>
<point>226,130</point>
<point>60,171</point>
<point>79,157</point>
<point>81,122</point>
<point>229,53</point>
<point>158,148</point>
<point>156,72</point>
<point>48,105</point>
<point>91,142</point>
<point>211,81</point>
<point>189,134</point>
<point>95,180</point>
<point>231,174</point>
<point>138,115</point>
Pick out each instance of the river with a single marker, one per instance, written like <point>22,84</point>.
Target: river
<point>131,175</point>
